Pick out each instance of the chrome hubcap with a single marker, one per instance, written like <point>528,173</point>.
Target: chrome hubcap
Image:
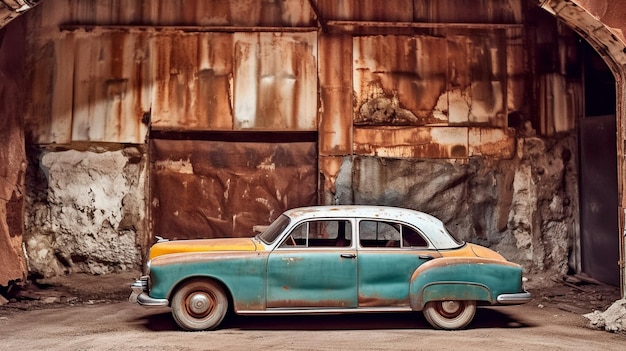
<point>199,303</point>
<point>450,307</point>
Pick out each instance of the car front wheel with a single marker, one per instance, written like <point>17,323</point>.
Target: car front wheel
<point>449,314</point>
<point>199,304</point>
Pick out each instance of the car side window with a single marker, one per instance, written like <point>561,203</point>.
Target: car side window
<point>389,234</point>
<point>320,233</point>
<point>379,234</point>
<point>411,238</point>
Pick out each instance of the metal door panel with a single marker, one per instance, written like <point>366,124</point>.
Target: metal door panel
<point>599,231</point>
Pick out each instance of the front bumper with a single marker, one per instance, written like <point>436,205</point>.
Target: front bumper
<point>514,299</point>
<point>140,295</point>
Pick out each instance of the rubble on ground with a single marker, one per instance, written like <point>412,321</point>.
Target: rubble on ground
<point>613,319</point>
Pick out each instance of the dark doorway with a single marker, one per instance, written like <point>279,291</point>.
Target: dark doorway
<point>599,230</point>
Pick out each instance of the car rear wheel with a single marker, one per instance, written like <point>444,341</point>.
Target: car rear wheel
<point>449,314</point>
<point>199,304</point>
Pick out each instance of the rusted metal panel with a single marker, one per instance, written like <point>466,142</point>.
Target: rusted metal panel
<point>111,87</point>
<point>515,70</point>
<point>434,142</point>
<point>488,70</point>
<point>415,17</point>
<point>558,110</point>
<point>49,119</point>
<point>192,12</point>
<point>468,11</point>
<point>453,79</point>
<point>367,10</point>
<point>275,81</point>
<point>204,189</point>
<point>477,67</point>
<point>335,71</point>
<point>492,142</point>
<point>398,80</point>
<point>192,81</point>
<point>412,142</point>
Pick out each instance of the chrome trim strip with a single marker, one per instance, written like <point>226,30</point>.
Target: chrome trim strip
<point>315,310</point>
<point>514,299</point>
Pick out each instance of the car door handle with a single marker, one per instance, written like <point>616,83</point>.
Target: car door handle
<point>426,257</point>
<point>348,256</point>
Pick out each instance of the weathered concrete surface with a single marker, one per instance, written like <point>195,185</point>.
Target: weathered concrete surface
<point>521,207</point>
<point>12,158</point>
<point>86,211</point>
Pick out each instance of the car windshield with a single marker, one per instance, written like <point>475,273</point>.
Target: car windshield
<point>273,231</point>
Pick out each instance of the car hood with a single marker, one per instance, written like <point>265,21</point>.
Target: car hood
<point>202,245</point>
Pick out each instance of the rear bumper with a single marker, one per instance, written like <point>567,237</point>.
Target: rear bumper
<point>139,294</point>
<point>514,299</point>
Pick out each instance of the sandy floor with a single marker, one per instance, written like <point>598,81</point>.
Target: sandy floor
<point>82,312</point>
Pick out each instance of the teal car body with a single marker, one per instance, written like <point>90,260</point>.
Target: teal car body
<point>331,259</point>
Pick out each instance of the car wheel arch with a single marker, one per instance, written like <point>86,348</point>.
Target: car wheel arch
<point>180,283</point>
<point>448,290</point>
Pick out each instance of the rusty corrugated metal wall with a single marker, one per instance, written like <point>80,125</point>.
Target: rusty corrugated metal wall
<point>410,79</point>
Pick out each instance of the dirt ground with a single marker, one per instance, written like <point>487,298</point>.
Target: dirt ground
<point>85,312</point>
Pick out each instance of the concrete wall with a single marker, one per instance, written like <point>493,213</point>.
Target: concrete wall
<point>85,209</point>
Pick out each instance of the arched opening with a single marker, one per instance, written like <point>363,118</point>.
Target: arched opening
<point>601,153</point>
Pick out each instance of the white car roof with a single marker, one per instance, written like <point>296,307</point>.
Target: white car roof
<point>432,227</point>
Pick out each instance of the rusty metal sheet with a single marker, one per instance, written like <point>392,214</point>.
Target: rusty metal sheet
<point>192,12</point>
<point>366,10</point>
<point>492,142</point>
<point>455,79</point>
<point>204,189</point>
<point>515,70</point>
<point>477,67</point>
<point>558,111</point>
<point>411,142</point>
<point>468,11</point>
<point>275,81</point>
<point>335,71</point>
<point>192,81</point>
<point>434,142</point>
<point>398,80</point>
<point>111,87</point>
<point>50,118</point>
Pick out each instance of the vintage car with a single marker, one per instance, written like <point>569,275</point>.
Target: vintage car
<point>330,259</point>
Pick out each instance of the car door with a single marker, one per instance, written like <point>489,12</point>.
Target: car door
<point>389,252</point>
<point>315,266</point>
